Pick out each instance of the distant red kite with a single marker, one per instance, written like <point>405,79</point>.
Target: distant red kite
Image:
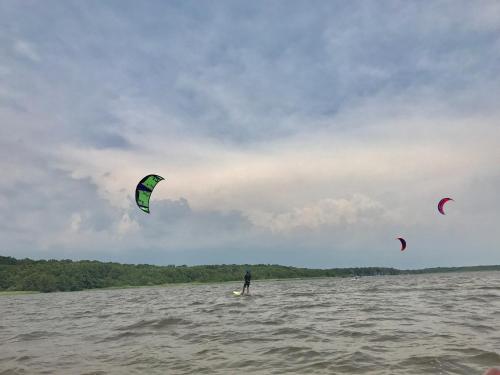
<point>442,203</point>
<point>403,243</point>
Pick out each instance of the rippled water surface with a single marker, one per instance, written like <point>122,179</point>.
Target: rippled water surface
<point>427,324</point>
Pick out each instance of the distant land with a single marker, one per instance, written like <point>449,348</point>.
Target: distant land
<point>67,275</point>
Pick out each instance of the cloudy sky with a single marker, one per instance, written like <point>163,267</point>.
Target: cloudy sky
<point>287,133</point>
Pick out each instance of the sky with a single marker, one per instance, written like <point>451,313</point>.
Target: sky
<point>288,132</point>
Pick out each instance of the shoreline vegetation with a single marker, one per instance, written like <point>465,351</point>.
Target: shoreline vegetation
<point>20,276</point>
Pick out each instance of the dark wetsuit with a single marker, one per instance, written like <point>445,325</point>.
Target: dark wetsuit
<point>248,277</point>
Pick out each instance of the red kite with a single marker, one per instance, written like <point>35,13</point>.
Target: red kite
<point>441,205</point>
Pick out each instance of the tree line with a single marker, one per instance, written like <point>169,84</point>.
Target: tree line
<point>67,275</point>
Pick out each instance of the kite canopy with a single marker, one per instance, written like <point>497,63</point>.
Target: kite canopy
<point>441,205</point>
<point>144,189</point>
<point>403,243</point>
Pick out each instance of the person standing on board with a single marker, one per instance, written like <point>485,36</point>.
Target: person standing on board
<point>248,277</point>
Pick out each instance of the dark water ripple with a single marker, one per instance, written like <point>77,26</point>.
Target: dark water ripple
<point>425,324</point>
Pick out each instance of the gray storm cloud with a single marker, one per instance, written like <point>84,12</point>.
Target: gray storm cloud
<point>311,141</point>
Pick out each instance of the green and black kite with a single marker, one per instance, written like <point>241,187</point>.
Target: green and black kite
<point>144,189</point>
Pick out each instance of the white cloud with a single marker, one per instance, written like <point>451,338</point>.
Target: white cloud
<point>76,221</point>
<point>27,50</point>
<point>323,214</point>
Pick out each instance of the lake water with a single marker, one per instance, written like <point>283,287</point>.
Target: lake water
<point>426,324</point>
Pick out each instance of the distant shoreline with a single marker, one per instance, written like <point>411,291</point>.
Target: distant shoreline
<point>21,276</point>
<point>171,285</point>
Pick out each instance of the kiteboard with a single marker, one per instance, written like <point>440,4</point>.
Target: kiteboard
<point>236,293</point>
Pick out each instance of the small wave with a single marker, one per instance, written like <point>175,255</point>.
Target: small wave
<point>122,335</point>
<point>140,324</point>
<point>480,299</point>
<point>209,351</point>
<point>296,354</point>
<point>168,322</point>
<point>318,365</point>
<point>442,363</point>
<point>486,357</point>
<point>212,310</point>
<point>356,357</point>
<point>24,358</point>
<point>387,338</point>
<point>275,322</point>
<point>489,295</point>
<point>154,323</point>
<point>35,335</point>
<point>13,371</point>
<point>359,325</point>
<point>301,294</point>
<point>306,306</point>
<point>296,332</point>
<point>479,327</point>
<point>352,333</point>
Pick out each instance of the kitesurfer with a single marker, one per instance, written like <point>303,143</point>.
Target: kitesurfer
<point>248,277</point>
